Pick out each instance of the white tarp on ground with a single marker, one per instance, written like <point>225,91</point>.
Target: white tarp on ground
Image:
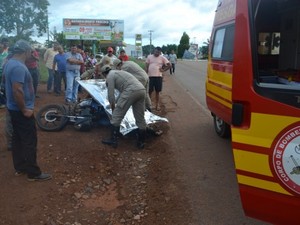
<point>98,90</point>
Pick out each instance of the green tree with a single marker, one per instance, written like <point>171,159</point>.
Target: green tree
<point>59,37</point>
<point>11,39</point>
<point>184,44</point>
<point>24,17</point>
<point>169,48</point>
<point>147,48</point>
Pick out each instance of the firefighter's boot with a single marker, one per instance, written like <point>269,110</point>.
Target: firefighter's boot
<point>113,141</point>
<point>141,138</point>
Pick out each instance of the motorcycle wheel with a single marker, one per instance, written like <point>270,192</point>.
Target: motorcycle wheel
<point>52,118</point>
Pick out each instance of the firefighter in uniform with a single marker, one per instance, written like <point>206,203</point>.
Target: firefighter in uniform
<point>132,93</point>
<point>138,73</point>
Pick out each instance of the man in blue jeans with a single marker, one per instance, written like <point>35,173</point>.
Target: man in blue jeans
<point>74,61</point>
<point>20,104</point>
<point>60,62</point>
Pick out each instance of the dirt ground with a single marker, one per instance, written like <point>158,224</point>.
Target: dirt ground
<point>94,183</point>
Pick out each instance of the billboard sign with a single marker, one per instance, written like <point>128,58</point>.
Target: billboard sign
<point>138,37</point>
<point>193,49</point>
<point>138,42</point>
<point>93,29</point>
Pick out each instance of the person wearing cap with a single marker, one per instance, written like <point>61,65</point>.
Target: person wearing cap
<point>123,57</point>
<point>74,62</point>
<point>132,93</point>
<point>109,55</point>
<point>140,74</point>
<point>156,64</point>
<point>20,104</point>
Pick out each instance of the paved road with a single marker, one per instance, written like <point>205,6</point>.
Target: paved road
<point>205,160</point>
<point>191,75</point>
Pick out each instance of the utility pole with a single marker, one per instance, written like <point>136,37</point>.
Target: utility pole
<point>48,31</point>
<point>150,31</point>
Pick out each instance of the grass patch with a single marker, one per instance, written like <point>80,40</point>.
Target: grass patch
<point>138,61</point>
<point>43,71</point>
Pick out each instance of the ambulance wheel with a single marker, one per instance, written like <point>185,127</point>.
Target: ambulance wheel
<point>52,118</point>
<point>221,127</point>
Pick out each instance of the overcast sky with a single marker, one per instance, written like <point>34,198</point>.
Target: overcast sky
<point>167,18</point>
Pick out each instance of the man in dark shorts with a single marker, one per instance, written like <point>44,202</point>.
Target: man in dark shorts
<point>156,64</point>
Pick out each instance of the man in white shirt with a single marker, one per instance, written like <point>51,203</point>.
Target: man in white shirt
<point>48,59</point>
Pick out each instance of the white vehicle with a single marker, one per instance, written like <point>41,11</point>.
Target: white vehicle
<point>99,56</point>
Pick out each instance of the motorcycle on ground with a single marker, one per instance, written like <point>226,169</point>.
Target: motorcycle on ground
<point>85,115</point>
<point>90,112</point>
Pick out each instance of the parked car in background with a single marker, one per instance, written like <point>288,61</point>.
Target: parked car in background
<point>99,56</point>
<point>141,57</point>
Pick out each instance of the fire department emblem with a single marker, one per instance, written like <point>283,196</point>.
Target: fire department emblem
<point>286,157</point>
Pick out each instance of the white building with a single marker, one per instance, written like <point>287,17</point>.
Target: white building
<point>132,52</point>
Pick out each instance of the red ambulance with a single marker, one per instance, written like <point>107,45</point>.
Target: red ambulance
<point>253,93</point>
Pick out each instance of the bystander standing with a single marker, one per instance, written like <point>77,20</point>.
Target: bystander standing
<point>48,59</point>
<point>173,61</point>
<point>91,61</point>
<point>8,125</point>
<point>109,56</point>
<point>123,57</point>
<point>60,62</point>
<point>156,64</point>
<point>20,103</point>
<point>33,67</point>
<point>74,61</point>
<point>82,66</point>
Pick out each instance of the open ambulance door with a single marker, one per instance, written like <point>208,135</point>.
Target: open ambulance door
<point>266,108</point>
